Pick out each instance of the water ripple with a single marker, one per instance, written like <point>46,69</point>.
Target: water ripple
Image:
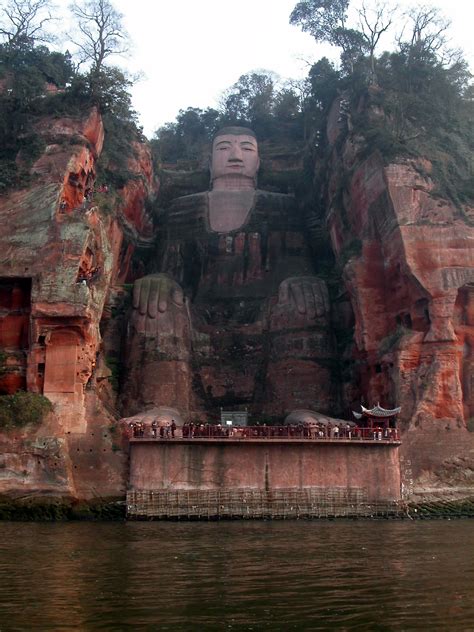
<point>295,575</point>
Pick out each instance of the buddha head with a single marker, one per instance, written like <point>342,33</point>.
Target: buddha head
<point>234,160</point>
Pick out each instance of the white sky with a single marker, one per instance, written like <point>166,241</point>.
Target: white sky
<point>189,51</point>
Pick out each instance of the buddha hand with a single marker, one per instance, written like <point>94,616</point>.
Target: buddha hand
<point>301,300</point>
<point>159,306</point>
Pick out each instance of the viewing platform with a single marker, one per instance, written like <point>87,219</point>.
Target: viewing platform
<point>269,434</point>
<point>326,468</point>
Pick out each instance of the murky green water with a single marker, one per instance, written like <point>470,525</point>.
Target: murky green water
<point>237,576</point>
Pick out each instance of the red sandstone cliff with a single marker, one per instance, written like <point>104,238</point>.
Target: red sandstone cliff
<point>408,267</point>
<point>407,262</point>
<point>61,255</point>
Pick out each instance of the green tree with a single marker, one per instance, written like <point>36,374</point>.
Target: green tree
<point>326,21</point>
<point>187,136</point>
<point>26,73</point>
<point>324,82</point>
<point>250,102</point>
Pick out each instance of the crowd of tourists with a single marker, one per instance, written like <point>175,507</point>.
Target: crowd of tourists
<point>348,431</point>
<point>140,430</point>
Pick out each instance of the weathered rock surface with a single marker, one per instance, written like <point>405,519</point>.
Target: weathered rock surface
<point>407,293</point>
<point>408,267</point>
<point>60,257</point>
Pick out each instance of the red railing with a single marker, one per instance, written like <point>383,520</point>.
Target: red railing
<point>315,433</point>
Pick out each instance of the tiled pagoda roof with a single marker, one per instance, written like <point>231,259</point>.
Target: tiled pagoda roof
<point>378,411</point>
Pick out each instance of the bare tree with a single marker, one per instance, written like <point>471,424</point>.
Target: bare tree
<point>374,22</point>
<point>424,31</point>
<point>101,32</point>
<point>24,22</point>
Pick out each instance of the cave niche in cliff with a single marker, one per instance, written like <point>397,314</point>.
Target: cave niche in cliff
<point>15,308</point>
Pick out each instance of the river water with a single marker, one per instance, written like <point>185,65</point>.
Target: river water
<point>292,575</point>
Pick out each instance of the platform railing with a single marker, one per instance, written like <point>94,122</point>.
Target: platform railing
<point>298,432</point>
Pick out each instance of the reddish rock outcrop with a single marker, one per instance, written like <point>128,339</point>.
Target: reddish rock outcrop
<point>408,267</point>
<point>68,245</point>
<point>60,256</point>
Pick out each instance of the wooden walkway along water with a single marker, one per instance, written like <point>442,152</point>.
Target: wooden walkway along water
<point>211,504</point>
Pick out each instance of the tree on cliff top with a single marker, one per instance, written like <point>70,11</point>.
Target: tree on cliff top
<point>326,21</point>
<point>254,101</point>
<point>424,33</point>
<point>186,137</point>
<point>374,22</point>
<point>23,23</point>
<point>100,35</point>
<point>100,32</point>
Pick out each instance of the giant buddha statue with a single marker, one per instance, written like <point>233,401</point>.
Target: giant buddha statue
<point>233,316</point>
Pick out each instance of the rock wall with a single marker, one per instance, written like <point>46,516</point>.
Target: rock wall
<point>63,259</point>
<point>266,466</point>
<point>407,261</point>
<point>402,315</point>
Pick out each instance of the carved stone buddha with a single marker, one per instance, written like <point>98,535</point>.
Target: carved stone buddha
<point>233,315</point>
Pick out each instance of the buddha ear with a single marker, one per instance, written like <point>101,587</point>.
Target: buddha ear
<point>209,165</point>
<point>255,181</point>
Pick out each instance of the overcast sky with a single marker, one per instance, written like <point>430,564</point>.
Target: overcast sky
<point>189,51</point>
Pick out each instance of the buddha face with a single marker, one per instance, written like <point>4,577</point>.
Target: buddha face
<point>234,158</point>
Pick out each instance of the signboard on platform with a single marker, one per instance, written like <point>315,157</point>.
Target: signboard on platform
<point>234,417</point>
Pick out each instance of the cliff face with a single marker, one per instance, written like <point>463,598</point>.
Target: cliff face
<point>61,256</point>
<point>408,267</point>
<point>403,314</point>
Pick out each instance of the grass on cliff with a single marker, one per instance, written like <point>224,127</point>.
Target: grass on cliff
<point>22,409</point>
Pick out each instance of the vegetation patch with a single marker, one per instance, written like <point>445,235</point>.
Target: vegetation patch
<point>115,366</point>
<point>22,409</point>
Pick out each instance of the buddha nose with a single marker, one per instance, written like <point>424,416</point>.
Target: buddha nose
<point>235,153</point>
